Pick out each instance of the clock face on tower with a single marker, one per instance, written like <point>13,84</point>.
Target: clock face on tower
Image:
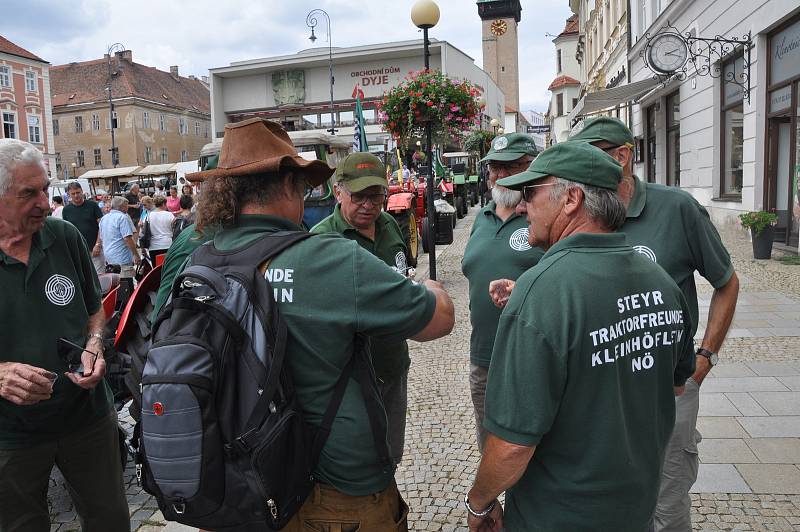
<point>498,27</point>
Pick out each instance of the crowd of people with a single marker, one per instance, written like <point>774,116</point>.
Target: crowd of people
<point>583,371</point>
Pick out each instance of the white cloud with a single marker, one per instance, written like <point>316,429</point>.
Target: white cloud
<point>200,34</point>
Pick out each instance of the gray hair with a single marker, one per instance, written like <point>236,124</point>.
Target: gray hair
<point>118,203</point>
<point>15,153</point>
<point>602,205</point>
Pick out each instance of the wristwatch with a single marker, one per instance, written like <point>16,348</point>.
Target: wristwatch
<point>711,357</point>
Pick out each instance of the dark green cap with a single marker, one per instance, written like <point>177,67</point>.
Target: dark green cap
<point>574,161</point>
<point>361,170</point>
<point>511,147</point>
<point>604,128</point>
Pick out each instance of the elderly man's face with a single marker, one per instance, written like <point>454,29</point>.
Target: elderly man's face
<point>542,212</point>
<point>76,196</point>
<point>501,169</point>
<point>363,208</point>
<point>24,206</point>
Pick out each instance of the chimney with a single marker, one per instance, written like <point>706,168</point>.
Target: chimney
<point>174,71</point>
<point>205,79</point>
<point>125,54</point>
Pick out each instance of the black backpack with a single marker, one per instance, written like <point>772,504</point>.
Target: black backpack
<point>179,224</point>
<point>222,442</point>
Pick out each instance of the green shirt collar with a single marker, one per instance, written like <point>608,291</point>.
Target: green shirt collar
<point>42,239</point>
<point>252,223</point>
<point>491,210</point>
<point>342,226</point>
<point>588,240</point>
<point>639,198</point>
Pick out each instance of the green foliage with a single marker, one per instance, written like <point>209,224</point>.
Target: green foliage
<point>479,142</point>
<point>450,106</point>
<point>758,220</point>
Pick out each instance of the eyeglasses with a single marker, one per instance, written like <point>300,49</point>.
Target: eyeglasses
<point>360,198</point>
<point>528,190</point>
<point>73,365</point>
<point>511,168</point>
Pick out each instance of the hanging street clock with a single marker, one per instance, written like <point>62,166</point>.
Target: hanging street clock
<point>667,53</point>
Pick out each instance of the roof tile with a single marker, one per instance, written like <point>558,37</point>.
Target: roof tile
<point>562,81</point>
<point>9,47</point>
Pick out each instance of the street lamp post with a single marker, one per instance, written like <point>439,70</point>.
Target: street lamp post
<point>425,15</point>
<point>113,49</point>
<point>311,22</point>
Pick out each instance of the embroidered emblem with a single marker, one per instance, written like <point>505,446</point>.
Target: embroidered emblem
<point>519,240</point>
<point>59,290</point>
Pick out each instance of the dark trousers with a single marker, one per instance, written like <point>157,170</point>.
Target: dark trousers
<point>89,459</point>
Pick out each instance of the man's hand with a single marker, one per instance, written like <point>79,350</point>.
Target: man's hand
<point>22,384</point>
<point>500,291</point>
<point>702,368</point>
<point>491,523</point>
<point>96,250</point>
<point>93,369</point>
<point>137,259</point>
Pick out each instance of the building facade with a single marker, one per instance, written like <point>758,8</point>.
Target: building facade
<point>602,49</point>
<point>160,117</point>
<point>566,87</point>
<point>295,89</point>
<point>25,107</point>
<point>734,150</point>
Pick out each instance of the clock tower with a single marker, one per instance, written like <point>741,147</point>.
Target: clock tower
<point>500,20</point>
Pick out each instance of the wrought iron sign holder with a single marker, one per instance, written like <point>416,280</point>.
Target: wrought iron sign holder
<point>702,54</point>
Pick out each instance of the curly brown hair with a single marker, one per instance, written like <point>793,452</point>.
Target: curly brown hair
<point>224,197</point>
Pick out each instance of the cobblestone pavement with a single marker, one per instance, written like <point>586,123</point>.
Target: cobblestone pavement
<point>441,457</point>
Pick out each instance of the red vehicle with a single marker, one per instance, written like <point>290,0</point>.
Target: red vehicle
<point>406,203</point>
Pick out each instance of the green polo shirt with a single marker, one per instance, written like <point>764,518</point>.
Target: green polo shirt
<point>85,217</point>
<point>390,359</point>
<point>668,226</point>
<point>328,289</point>
<point>495,250</point>
<point>587,352</point>
<point>50,297</point>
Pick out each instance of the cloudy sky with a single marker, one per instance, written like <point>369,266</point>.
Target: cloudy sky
<point>202,34</point>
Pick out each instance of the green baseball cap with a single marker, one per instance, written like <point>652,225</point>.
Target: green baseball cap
<point>361,170</point>
<point>574,161</point>
<point>604,128</point>
<point>511,147</point>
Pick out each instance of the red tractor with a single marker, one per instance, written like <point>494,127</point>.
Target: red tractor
<point>406,202</point>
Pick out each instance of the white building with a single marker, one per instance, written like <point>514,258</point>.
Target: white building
<point>537,129</point>
<point>295,89</point>
<point>602,52</point>
<point>733,153</point>
<point>566,87</point>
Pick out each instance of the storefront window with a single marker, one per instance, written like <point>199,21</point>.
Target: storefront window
<point>732,130</point>
<point>674,140</point>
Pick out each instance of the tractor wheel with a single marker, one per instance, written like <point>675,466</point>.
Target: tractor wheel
<point>408,227</point>
<point>424,234</point>
<point>459,205</point>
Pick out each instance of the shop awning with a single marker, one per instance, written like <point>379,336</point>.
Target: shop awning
<point>157,169</point>
<point>111,172</point>
<point>606,99</point>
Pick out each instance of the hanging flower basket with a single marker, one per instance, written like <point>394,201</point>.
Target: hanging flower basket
<point>450,106</point>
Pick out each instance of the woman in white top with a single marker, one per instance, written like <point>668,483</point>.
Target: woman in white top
<point>160,228</point>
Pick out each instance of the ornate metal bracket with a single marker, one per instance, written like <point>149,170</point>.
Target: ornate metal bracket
<point>706,57</point>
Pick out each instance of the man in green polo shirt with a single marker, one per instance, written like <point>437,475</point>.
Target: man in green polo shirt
<point>328,289</point>
<point>361,191</point>
<point>51,411</point>
<point>668,226</point>
<point>590,349</point>
<point>497,248</point>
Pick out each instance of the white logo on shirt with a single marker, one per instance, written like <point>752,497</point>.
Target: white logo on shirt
<point>519,240</point>
<point>59,290</point>
<point>501,143</point>
<point>647,252</point>
<point>400,262</point>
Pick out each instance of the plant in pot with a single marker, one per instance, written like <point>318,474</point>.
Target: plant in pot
<point>761,225</point>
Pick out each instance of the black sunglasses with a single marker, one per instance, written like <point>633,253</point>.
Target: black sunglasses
<point>73,365</point>
<point>528,190</point>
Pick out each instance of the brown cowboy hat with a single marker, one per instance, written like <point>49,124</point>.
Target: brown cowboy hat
<point>258,146</point>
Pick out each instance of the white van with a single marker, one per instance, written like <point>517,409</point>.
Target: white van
<point>58,187</point>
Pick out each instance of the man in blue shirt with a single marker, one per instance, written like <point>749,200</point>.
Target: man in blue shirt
<point>116,237</point>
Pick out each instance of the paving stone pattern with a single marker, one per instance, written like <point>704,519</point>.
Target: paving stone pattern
<point>750,413</point>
